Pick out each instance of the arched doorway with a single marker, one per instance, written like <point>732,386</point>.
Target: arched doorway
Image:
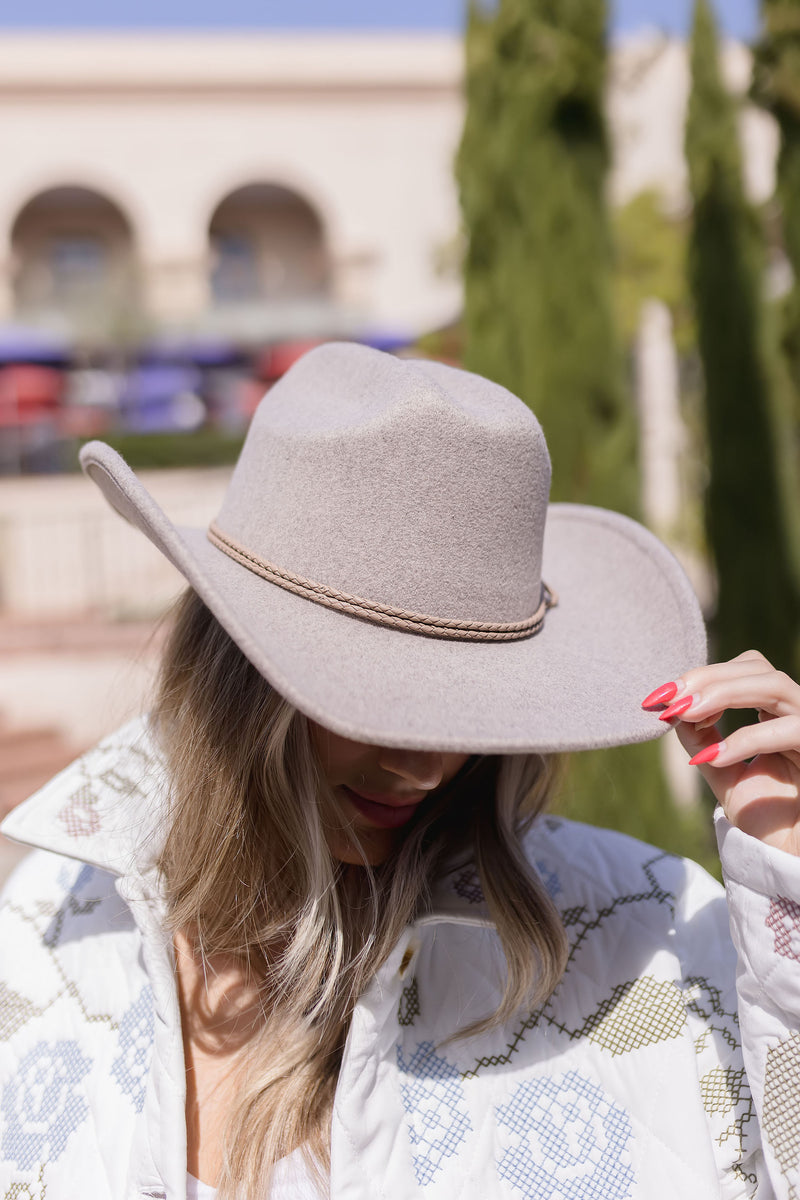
<point>267,247</point>
<point>73,258</point>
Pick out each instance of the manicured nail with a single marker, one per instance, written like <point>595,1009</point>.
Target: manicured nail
<point>706,756</point>
<point>678,708</point>
<point>662,695</point>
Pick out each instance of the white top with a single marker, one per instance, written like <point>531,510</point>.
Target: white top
<point>291,1180</point>
<point>643,1077</point>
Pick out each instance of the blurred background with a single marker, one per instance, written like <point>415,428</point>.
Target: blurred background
<point>594,204</point>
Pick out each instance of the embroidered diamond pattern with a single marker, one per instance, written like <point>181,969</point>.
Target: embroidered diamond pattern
<point>467,885</point>
<point>15,1011</point>
<point>721,1090</point>
<point>783,920</point>
<point>79,815</point>
<point>637,1014</point>
<point>781,1118</point>
<point>408,1008</point>
<point>20,1191</point>
<point>549,878</point>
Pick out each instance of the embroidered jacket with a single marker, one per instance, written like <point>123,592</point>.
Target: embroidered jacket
<point>637,1078</point>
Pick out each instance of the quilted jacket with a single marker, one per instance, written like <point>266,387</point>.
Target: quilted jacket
<point>643,1076</point>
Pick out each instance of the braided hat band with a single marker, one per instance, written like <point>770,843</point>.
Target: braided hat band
<point>384,614</point>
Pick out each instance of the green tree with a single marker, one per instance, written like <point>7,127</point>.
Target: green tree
<point>776,86</point>
<point>538,282</point>
<point>539,308</point>
<point>749,514</point>
<point>650,263</point>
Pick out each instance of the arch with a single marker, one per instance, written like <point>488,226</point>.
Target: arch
<point>268,245</point>
<point>73,255</point>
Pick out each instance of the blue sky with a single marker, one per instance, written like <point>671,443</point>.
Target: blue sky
<point>739,15</point>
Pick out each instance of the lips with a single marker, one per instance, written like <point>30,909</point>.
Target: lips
<point>384,810</point>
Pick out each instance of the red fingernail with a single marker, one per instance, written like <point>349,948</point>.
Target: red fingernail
<point>661,695</point>
<point>706,756</point>
<point>677,709</point>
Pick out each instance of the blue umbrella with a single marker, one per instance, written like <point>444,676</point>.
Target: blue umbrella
<point>26,344</point>
<point>200,352</point>
<point>384,340</point>
<point>161,398</point>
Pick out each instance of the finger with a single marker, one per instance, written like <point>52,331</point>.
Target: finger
<point>751,662</point>
<point>720,779</point>
<point>707,722</point>
<point>780,736</point>
<point>771,691</point>
<point>675,715</point>
<point>693,739</point>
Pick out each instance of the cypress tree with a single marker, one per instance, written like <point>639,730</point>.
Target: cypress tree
<point>749,523</point>
<point>776,86</point>
<point>538,299</point>
<point>538,314</point>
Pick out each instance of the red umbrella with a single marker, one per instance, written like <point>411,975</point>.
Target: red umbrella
<point>29,394</point>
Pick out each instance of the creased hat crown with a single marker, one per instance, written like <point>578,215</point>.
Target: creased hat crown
<point>402,482</point>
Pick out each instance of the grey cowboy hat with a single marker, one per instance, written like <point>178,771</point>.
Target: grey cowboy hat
<point>387,558</point>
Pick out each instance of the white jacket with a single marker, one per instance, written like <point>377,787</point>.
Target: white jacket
<point>637,1079</point>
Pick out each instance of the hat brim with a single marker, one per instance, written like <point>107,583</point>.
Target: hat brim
<point>626,621</point>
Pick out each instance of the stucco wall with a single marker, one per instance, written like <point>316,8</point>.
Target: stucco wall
<point>365,128</point>
<point>362,128</point>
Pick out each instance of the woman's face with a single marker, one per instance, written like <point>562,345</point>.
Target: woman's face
<point>380,790</point>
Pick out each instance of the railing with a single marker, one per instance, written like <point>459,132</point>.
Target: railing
<point>64,553</point>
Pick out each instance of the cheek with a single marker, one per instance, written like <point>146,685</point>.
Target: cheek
<point>453,764</point>
<point>338,756</point>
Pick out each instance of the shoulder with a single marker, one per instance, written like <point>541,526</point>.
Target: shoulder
<point>630,911</point>
<point>583,864</point>
<point>602,879</point>
<point>624,900</point>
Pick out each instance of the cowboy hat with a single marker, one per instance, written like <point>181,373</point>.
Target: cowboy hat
<point>387,558</point>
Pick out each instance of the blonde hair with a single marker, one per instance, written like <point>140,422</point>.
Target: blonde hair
<point>248,873</point>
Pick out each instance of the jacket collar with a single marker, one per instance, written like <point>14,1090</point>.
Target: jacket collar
<point>105,809</point>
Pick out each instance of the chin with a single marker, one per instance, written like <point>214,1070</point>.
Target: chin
<point>375,847</point>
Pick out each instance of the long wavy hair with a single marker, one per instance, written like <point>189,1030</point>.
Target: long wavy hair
<point>249,877</point>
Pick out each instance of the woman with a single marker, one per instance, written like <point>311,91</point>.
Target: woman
<point>319,938</point>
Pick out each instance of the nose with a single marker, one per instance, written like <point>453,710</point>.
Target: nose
<point>422,769</point>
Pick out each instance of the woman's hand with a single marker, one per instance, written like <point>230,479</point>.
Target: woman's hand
<point>755,772</point>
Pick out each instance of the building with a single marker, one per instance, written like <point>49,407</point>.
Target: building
<point>269,185</point>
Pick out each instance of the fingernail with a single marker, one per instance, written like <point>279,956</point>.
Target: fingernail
<point>661,695</point>
<point>706,756</point>
<point>678,708</point>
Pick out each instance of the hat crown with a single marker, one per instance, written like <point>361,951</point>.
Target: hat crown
<point>409,483</point>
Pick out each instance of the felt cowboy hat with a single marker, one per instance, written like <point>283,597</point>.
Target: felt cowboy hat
<point>387,558</point>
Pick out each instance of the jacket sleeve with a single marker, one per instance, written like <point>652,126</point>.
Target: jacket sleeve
<point>763,889</point>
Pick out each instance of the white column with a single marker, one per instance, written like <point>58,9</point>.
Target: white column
<point>663,442</point>
<point>176,290</point>
<point>661,429</point>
